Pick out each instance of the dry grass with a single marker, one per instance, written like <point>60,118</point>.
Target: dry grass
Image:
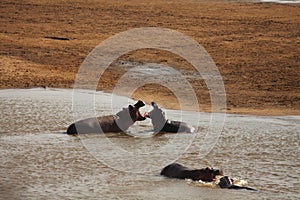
<point>255,46</point>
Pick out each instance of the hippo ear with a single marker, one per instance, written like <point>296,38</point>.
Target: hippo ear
<point>154,104</point>
<point>130,107</point>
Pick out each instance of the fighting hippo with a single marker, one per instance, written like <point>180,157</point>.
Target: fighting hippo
<point>111,123</point>
<point>226,182</point>
<point>176,170</point>
<point>161,124</point>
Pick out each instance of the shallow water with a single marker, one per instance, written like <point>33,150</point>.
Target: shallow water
<point>39,161</point>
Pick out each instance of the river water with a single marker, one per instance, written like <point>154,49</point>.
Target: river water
<point>40,161</point>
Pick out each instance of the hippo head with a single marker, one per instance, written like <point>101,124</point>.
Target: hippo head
<point>208,174</point>
<point>157,116</point>
<point>133,112</point>
<point>225,182</point>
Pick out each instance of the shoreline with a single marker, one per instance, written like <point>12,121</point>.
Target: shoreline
<point>271,112</point>
<point>254,45</point>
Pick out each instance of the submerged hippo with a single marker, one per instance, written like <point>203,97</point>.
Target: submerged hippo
<point>111,123</point>
<point>160,123</point>
<point>226,182</point>
<point>176,170</point>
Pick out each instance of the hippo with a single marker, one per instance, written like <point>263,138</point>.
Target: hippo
<point>160,123</point>
<point>226,182</point>
<point>111,123</point>
<point>176,170</point>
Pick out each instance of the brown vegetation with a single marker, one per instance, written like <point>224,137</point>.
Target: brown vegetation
<point>256,46</point>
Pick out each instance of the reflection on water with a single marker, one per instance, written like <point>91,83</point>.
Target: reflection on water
<point>39,161</point>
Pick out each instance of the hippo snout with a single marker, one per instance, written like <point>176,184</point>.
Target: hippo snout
<point>135,113</point>
<point>139,104</point>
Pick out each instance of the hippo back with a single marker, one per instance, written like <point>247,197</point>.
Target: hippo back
<point>177,126</point>
<point>92,125</point>
<point>173,170</point>
<point>176,170</point>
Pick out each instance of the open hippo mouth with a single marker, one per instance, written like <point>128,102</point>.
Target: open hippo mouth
<point>138,105</point>
<point>155,107</point>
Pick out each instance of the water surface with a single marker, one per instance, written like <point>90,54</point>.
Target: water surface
<point>39,161</point>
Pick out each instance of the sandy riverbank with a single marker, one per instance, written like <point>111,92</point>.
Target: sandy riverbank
<point>255,46</point>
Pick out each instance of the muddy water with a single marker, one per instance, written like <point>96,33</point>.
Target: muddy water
<point>39,161</point>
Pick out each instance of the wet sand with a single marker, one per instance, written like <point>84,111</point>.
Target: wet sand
<point>255,46</point>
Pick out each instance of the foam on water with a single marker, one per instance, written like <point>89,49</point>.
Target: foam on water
<point>214,184</point>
